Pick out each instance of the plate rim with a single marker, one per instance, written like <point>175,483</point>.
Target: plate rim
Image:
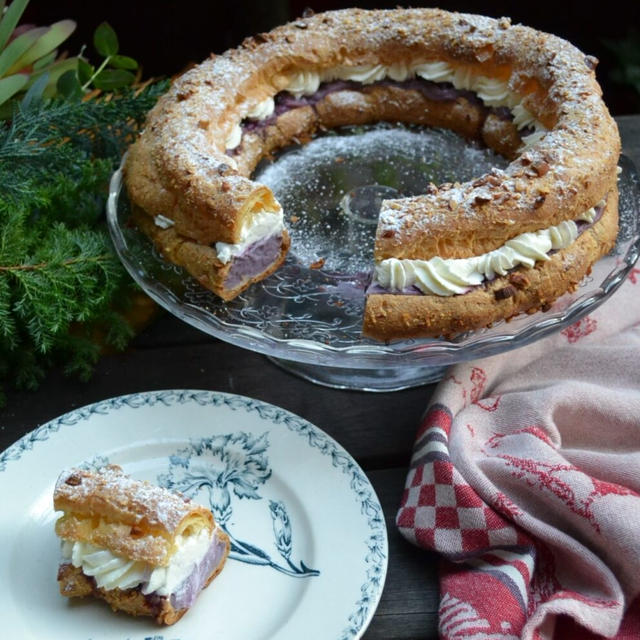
<point>375,559</point>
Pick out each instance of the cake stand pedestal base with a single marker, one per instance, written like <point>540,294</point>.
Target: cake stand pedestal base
<point>377,380</point>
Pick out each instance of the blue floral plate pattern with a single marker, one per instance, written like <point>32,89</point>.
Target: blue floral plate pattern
<point>309,544</point>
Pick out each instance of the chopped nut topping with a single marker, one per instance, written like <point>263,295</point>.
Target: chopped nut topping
<point>539,201</point>
<point>591,62</point>
<point>73,480</point>
<point>519,280</point>
<point>183,95</point>
<point>541,167</point>
<point>505,292</point>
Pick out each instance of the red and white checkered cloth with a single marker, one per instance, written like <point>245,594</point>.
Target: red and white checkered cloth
<point>525,477</point>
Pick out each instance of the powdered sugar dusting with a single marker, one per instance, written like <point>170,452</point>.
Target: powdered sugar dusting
<point>311,182</point>
<point>569,168</point>
<point>141,500</point>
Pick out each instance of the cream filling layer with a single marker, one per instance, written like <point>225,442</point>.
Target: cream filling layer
<point>111,571</point>
<point>452,276</point>
<point>261,225</point>
<point>492,92</point>
<point>259,111</point>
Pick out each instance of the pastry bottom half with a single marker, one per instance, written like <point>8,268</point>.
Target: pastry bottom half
<point>74,583</point>
<point>389,315</point>
<point>201,261</point>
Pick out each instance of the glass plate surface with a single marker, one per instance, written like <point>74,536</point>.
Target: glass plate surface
<point>308,538</point>
<point>310,311</point>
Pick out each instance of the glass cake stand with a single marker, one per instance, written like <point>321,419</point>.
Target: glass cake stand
<point>307,316</point>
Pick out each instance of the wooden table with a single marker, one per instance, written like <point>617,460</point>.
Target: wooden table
<point>376,428</point>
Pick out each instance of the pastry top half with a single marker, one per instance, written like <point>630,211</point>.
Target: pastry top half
<point>180,166</point>
<point>131,518</point>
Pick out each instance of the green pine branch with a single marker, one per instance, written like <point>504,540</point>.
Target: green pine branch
<point>63,291</point>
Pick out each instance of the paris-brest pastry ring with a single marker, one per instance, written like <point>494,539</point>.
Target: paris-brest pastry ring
<point>458,257</point>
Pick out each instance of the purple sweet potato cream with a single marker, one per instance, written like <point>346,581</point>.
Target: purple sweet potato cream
<point>437,91</point>
<point>255,259</point>
<point>185,595</point>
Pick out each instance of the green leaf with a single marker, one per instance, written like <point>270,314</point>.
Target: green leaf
<point>110,79</point>
<point>82,355</point>
<point>35,91</point>
<point>27,371</point>
<point>626,49</point>
<point>105,40</point>
<point>633,73</point>
<point>7,322</point>
<point>85,71</point>
<point>45,61</point>
<point>54,36</point>
<point>123,62</point>
<point>18,48</point>
<point>68,85</point>
<point>10,20</point>
<point>54,71</point>
<point>10,85</point>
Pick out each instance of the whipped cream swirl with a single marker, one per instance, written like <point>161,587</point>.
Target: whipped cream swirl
<point>451,276</point>
<point>163,222</point>
<point>262,110</point>
<point>492,91</point>
<point>234,138</point>
<point>111,571</point>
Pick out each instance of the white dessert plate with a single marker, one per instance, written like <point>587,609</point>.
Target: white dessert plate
<point>309,552</point>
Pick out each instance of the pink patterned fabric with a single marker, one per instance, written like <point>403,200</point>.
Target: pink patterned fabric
<point>525,477</point>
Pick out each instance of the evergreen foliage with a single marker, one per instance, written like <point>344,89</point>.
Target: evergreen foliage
<point>60,280</point>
